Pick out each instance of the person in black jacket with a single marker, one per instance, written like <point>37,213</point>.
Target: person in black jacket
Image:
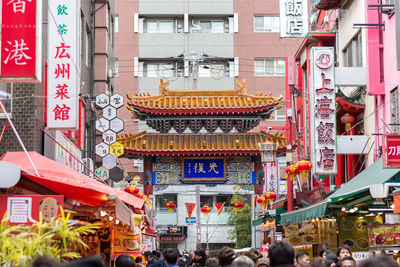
<point>281,254</point>
<point>200,257</point>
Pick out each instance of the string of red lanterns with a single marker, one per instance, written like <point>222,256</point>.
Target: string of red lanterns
<point>238,205</point>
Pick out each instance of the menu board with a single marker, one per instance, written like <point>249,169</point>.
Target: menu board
<point>353,231</point>
<point>302,233</point>
<point>125,239</point>
<point>387,235</point>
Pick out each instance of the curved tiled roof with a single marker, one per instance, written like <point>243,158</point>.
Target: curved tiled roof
<point>203,102</point>
<point>191,144</point>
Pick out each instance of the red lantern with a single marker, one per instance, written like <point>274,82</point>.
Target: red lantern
<point>261,200</point>
<point>292,171</point>
<point>270,197</point>
<point>205,210</point>
<point>140,195</point>
<point>170,206</point>
<point>131,189</point>
<point>303,167</point>
<point>348,120</point>
<point>238,205</point>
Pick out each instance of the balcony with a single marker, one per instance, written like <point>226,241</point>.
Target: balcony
<point>150,84</point>
<point>164,217</point>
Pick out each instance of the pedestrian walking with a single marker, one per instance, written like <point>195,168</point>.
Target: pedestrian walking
<point>243,261</point>
<point>343,252</point>
<point>226,256</point>
<point>348,262</point>
<point>381,261</point>
<point>318,262</point>
<point>302,259</point>
<point>200,258</point>
<point>139,261</point>
<point>171,257</point>
<point>151,262</point>
<point>124,260</point>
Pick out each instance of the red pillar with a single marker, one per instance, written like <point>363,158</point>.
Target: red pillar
<point>349,121</point>
<point>289,194</point>
<point>147,179</point>
<point>339,178</point>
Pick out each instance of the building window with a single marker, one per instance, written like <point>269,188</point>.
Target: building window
<point>269,67</point>
<point>116,67</point>
<point>116,24</point>
<point>353,52</point>
<point>266,24</point>
<point>163,69</point>
<point>280,114</point>
<point>212,26</point>
<point>5,98</point>
<point>216,70</point>
<point>162,200</point>
<point>160,26</point>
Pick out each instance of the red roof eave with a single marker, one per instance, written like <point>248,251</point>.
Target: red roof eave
<point>311,38</point>
<point>203,111</point>
<point>177,153</point>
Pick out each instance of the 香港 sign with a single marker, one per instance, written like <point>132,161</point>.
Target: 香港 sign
<point>21,35</point>
<point>391,151</point>
<point>322,109</point>
<point>63,64</point>
<point>206,170</point>
<point>24,209</point>
<point>293,18</point>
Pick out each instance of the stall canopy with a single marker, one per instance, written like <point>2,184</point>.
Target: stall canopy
<point>374,174</point>
<point>67,182</point>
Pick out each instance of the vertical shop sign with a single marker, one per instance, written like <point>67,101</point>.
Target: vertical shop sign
<point>21,35</point>
<point>391,151</point>
<point>323,115</point>
<point>293,18</point>
<point>63,64</point>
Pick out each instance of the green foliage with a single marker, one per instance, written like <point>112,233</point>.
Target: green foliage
<point>21,244</point>
<point>241,221</point>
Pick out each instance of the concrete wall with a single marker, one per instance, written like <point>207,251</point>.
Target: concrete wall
<point>147,7</point>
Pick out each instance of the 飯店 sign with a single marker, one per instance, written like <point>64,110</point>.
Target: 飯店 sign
<point>391,151</point>
<point>323,115</point>
<point>293,18</point>
<point>21,40</point>
<point>63,64</point>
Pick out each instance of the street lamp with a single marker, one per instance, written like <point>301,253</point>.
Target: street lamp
<point>268,152</point>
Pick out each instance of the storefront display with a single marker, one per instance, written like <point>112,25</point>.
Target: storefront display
<point>127,239</point>
<point>382,236</point>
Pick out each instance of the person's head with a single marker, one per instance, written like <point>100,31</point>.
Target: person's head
<point>281,253</point>
<point>251,255</point>
<point>322,253</point>
<point>88,262</point>
<point>171,256</point>
<point>156,254</point>
<point>45,261</point>
<point>261,262</point>
<point>331,258</point>
<point>348,262</point>
<point>343,251</point>
<point>138,259</point>
<point>211,260</point>
<point>124,260</point>
<point>242,261</point>
<point>200,254</point>
<point>318,262</point>
<point>148,256</point>
<point>302,259</point>
<point>226,255</point>
<point>381,261</point>
<point>49,208</point>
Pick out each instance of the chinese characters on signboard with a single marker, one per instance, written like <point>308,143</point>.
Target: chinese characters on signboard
<point>323,116</point>
<point>21,40</point>
<point>391,151</point>
<point>25,209</point>
<point>293,18</point>
<point>63,64</point>
<point>203,170</point>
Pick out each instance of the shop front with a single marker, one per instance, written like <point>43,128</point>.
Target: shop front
<point>171,235</point>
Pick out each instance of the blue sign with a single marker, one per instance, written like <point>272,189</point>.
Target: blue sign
<point>192,220</point>
<point>206,170</point>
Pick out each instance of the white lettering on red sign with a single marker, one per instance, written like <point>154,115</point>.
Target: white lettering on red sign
<point>16,51</point>
<point>19,210</point>
<point>19,5</point>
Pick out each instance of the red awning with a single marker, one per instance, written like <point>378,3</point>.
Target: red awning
<point>67,182</point>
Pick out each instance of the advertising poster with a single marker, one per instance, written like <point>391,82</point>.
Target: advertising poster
<point>353,231</point>
<point>384,235</point>
<point>126,240</point>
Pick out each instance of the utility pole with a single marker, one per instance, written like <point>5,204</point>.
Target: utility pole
<point>198,226</point>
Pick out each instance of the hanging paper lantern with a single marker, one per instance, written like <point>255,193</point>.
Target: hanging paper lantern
<point>205,210</point>
<point>170,206</point>
<point>292,171</point>
<point>140,195</point>
<point>261,200</point>
<point>131,189</point>
<point>270,197</point>
<point>238,205</point>
<point>303,167</point>
<point>347,120</point>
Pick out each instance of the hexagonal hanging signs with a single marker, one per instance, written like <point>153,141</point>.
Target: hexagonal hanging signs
<point>103,173</point>
<point>102,100</point>
<point>117,149</point>
<point>102,125</point>
<point>109,113</point>
<point>109,137</point>
<point>109,161</point>
<point>117,100</point>
<point>116,125</point>
<point>102,149</point>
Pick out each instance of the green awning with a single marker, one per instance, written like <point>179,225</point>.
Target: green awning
<point>258,221</point>
<point>304,214</point>
<point>374,174</point>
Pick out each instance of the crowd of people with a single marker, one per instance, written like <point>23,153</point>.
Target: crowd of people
<point>280,254</point>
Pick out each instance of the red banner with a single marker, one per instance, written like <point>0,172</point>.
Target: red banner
<point>18,39</point>
<point>23,209</point>
<point>190,209</point>
<point>391,151</point>
<point>396,204</point>
<point>219,207</point>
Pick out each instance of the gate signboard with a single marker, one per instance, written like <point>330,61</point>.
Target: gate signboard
<point>391,151</point>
